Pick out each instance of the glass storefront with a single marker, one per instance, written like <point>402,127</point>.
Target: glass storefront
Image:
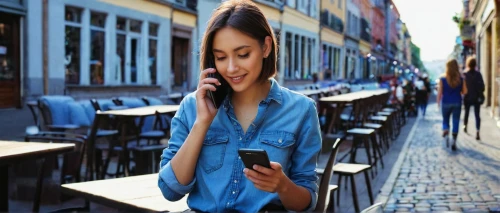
<point>9,60</point>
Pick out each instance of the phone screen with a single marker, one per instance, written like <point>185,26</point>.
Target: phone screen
<point>220,94</point>
<point>252,157</point>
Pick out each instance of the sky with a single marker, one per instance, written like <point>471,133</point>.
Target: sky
<point>430,25</point>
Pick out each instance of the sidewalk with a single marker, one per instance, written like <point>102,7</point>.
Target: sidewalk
<point>428,176</point>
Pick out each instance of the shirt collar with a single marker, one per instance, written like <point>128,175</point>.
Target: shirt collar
<point>274,94</point>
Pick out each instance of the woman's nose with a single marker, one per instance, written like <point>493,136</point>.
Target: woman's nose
<point>232,66</point>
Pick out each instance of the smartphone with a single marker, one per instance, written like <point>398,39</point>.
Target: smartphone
<point>251,157</point>
<point>220,94</point>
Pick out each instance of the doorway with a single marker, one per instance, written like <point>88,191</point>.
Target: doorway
<point>9,61</point>
<point>133,56</point>
<point>180,56</point>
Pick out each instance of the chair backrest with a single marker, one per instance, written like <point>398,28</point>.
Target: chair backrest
<point>326,177</point>
<point>375,208</point>
<point>95,105</point>
<point>54,110</point>
<point>71,166</point>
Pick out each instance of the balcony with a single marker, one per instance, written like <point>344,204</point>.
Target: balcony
<point>331,21</point>
<point>187,5</point>
<point>366,30</point>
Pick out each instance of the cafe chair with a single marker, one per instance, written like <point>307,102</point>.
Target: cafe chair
<point>72,162</point>
<point>326,191</point>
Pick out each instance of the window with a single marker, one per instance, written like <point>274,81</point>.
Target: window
<point>97,44</point>
<point>295,58</point>
<point>135,26</point>
<point>121,38</point>
<point>288,55</point>
<point>339,5</point>
<point>291,3</point>
<point>152,56</point>
<point>313,8</point>
<point>72,45</point>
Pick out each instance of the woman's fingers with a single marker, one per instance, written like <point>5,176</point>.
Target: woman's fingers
<point>208,81</point>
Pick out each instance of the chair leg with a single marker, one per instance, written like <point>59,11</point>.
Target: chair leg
<point>338,190</point>
<point>331,203</point>
<point>354,193</point>
<point>376,149</point>
<point>39,186</point>
<point>368,186</point>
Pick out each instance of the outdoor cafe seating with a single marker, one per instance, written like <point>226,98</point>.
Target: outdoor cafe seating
<point>132,130</point>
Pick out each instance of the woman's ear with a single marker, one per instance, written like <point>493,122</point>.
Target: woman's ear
<point>267,46</point>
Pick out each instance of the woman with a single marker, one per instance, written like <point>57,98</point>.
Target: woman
<point>422,94</point>
<point>202,157</point>
<point>451,89</point>
<point>474,96</point>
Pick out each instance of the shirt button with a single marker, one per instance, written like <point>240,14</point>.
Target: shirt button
<point>227,203</point>
<point>239,157</point>
<point>235,181</point>
<point>280,141</point>
<point>240,138</point>
<point>234,192</point>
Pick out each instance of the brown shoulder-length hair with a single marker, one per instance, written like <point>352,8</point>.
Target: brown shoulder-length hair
<point>246,17</point>
<point>452,74</point>
<point>471,63</point>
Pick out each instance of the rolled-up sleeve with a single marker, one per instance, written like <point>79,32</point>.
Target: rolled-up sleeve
<point>304,159</point>
<point>167,181</point>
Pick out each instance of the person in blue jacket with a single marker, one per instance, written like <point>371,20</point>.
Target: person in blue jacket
<point>202,158</point>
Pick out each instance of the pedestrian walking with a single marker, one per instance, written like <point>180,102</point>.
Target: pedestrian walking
<point>475,94</point>
<point>202,156</point>
<point>449,98</point>
<point>422,94</point>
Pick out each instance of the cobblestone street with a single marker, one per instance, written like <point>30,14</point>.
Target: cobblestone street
<point>431,177</point>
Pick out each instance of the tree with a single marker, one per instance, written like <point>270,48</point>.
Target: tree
<point>415,57</point>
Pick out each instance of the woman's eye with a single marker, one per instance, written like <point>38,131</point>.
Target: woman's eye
<point>244,56</point>
<point>220,58</point>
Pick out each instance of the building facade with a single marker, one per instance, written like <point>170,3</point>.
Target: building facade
<point>12,52</point>
<point>352,35</point>
<point>332,39</point>
<point>365,39</point>
<point>108,48</point>
<point>378,37</point>
<point>487,40</point>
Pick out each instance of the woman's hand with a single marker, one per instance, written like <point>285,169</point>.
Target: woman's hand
<point>269,180</point>
<point>205,110</point>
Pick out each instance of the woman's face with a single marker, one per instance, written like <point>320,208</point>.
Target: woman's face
<point>239,57</point>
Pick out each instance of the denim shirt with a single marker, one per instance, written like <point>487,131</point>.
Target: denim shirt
<point>286,126</point>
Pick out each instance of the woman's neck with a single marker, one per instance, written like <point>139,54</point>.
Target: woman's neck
<point>252,95</point>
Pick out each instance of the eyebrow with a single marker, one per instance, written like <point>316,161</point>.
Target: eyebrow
<point>235,49</point>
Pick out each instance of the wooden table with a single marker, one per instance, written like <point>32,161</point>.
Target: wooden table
<point>343,99</point>
<point>311,92</point>
<point>12,152</point>
<point>142,111</point>
<point>130,194</point>
<point>349,97</point>
<point>123,115</point>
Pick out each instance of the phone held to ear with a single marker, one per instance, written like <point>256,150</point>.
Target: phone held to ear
<point>252,157</point>
<point>220,94</point>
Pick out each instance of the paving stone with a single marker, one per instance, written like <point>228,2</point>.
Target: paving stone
<point>439,208</point>
<point>404,206</point>
<point>423,204</point>
<point>421,209</point>
<point>487,198</point>
<point>440,180</point>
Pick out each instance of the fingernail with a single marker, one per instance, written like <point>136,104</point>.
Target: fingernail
<point>245,170</point>
<point>255,167</point>
<point>218,83</point>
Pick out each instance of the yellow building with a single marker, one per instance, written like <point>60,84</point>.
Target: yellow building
<point>332,38</point>
<point>299,42</point>
<point>488,55</point>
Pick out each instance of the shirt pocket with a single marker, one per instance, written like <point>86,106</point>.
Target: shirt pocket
<point>278,145</point>
<point>213,150</point>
